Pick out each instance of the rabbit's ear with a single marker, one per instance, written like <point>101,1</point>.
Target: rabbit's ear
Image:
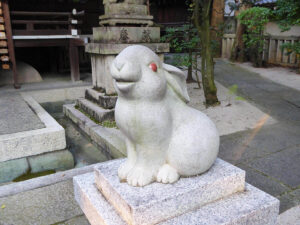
<point>176,79</point>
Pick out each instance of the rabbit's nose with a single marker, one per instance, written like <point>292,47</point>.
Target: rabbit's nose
<point>119,65</point>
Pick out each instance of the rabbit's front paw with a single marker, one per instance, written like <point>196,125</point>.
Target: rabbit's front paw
<point>124,170</point>
<point>167,174</point>
<point>140,176</point>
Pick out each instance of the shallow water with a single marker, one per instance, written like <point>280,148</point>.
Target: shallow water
<point>85,152</point>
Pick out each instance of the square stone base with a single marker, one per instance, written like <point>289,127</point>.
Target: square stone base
<point>250,206</point>
<point>157,202</point>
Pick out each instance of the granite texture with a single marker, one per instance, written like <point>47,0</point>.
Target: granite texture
<point>114,49</point>
<point>95,111</point>
<point>134,34</point>
<point>105,101</point>
<point>109,139</point>
<point>33,142</point>
<point>252,207</point>
<point>16,115</point>
<point>156,202</point>
<point>41,206</point>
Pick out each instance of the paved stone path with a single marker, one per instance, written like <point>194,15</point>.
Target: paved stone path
<point>16,115</point>
<point>270,154</point>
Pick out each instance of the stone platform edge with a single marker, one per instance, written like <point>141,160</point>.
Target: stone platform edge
<point>114,49</point>
<point>33,142</point>
<point>252,207</point>
<point>157,202</point>
<point>109,139</point>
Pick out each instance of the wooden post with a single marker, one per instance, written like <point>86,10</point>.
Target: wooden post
<point>10,43</point>
<point>74,61</point>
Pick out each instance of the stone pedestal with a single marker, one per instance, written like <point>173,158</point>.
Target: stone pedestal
<point>102,55</point>
<point>219,196</point>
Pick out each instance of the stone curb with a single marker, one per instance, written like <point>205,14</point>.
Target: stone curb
<point>33,142</point>
<point>109,139</point>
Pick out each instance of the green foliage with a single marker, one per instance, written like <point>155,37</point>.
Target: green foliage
<point>255,19</point>
<point>233,91</point>
<point>182,39</point>
<point>287,13</point>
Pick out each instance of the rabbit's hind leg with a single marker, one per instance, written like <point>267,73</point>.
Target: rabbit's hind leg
<point>125,168</point>
<point>167,174</point>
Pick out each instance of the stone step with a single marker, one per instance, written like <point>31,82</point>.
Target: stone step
<point>98,113</point>
<point>157,202</point>
<point>106,102</point>
<point>251,207</point>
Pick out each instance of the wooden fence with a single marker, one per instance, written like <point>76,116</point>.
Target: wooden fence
<point>272,51</point>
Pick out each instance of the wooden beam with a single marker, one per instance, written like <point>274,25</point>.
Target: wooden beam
<point>74,62</point>
<point>4,58</point>
<point>5,66</point>
<point>11,50</point>
<point>3,51</point>
<point>41,42</point>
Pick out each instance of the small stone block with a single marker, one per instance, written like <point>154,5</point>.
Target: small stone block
<point>105,101</point>
<point>97,112</point>
<point>157,202</point>
<point>251,207</point>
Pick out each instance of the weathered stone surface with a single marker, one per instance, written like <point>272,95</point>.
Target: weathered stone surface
<point>134,34</point>
<point>125,9</point>
<point>157,202</point>
<point>16,115</point>
<point>94,110</point>
<point>252,207</point>
<point>109,139</point>
<point>12,169</point>
<point>283,166</point>
<point>105,101</point>
<point>27,143</point>
<point>58,160</point>
<point>113,20</point>
<point>47,205</point>
<point>81,120</point>
<point>114,49</point>
<point>101,72</point>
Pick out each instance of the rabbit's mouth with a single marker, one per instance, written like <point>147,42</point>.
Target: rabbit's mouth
<point>124,85</point>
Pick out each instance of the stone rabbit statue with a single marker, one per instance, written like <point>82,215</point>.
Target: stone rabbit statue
<point>165,138</point>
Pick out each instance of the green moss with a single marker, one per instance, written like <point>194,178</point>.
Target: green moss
<point>109,124</point>
<point>30,175</point>
<point>105,123</point>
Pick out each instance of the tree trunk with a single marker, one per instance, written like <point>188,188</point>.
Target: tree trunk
<point>238,48</point>
<point>217,18</point>
<point>189,78</point>
<point>207,64</point>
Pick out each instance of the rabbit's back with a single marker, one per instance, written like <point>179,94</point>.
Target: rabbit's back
<point>194,145</point>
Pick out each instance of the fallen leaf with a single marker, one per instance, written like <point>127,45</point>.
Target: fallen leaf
<point>3,206</point>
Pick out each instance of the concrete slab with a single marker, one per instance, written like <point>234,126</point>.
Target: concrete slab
<point>16,115</point>
<point>280,75</point>
<point>290,217</point>
<point>250,207</point>
<point>283,166</point>
<point>232,115</point>
<point>158,202</point>
<point>42,206</point>
<point>33,142</point>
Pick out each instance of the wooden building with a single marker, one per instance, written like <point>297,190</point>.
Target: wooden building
<point>51,34</point>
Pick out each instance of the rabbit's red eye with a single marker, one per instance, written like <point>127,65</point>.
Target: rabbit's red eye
<point>153,66</point>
